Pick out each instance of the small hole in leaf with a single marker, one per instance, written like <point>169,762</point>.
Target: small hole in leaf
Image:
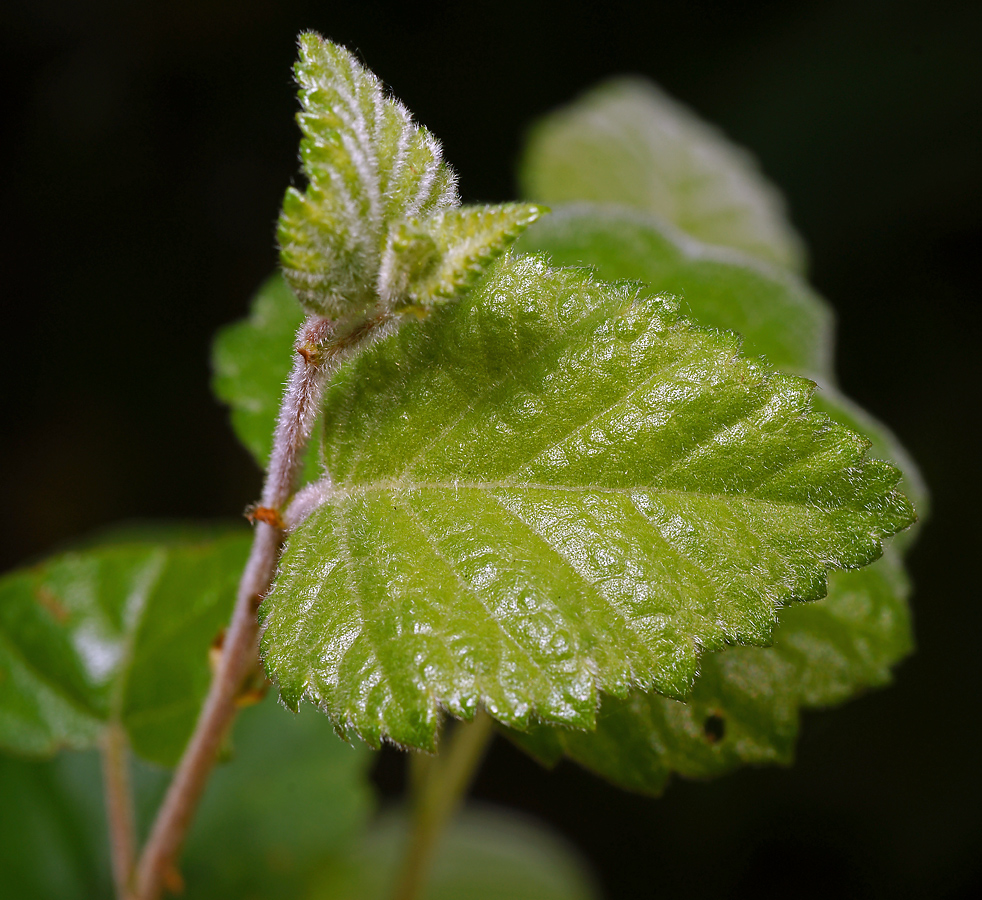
<point>714,728</point>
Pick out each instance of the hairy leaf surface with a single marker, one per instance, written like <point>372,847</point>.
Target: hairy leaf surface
<point>431,260</point>
<point>627,142</point>
<point>745,704</point>
<point>118,631</point>
<point>554,488</point>
<point>753,695</point>
<point>486,854</point>
<point>777,314</point>
<point>368,165</point>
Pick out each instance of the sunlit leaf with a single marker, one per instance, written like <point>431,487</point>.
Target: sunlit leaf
<point>745,705</point>
<point>555,488</point>
<point>626,142</point>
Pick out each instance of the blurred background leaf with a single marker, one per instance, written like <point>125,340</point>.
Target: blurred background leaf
<point>148,147</point>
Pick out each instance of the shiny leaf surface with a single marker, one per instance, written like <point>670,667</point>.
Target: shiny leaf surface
<point>117,631</point>
<point>554,488</point>
<point>745,705</point>
<point>775,312</point>
<point>626,142</point>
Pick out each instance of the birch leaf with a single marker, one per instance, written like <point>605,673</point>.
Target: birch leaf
<point>555,488</point>
<point>626,142</point>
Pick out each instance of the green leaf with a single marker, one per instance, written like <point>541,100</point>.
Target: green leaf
<point>251,362</point>
<point>777,314</point>
<point>118,631</point>
<point>745,705</point>
<point>432,260</point>
<point>639,741</point>
<point>53,830</point>
<point>291,793</point>
<point>368,165</point>
<point>626,142</point>
<point>486,855</point>
<point>554,488</point>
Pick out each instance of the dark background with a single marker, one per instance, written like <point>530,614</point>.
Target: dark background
<point>145,153</point>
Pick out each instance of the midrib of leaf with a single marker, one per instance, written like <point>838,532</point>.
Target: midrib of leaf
<point>138,598</point>
<point>340,494</point>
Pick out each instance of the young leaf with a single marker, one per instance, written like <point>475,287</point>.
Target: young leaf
<point>626,142</point>
<point>745,703</point>
<point>431,260</point>
<point>119,631</point>
<point>368,165</point>
<point>487,855</point>
<point>554,488</point>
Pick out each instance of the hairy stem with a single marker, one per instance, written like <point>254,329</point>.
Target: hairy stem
<point>157,869</point>
<point>119,808</point>
<point>439,785</point>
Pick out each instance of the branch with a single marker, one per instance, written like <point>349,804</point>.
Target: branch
<point>119,807</point>
<point>158,864</point>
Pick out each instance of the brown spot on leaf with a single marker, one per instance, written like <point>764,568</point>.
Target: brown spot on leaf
<point>46,598</point>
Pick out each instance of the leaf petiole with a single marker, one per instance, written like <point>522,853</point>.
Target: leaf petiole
<point>438,785</point>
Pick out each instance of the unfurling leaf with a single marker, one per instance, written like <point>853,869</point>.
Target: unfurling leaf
<point>556,488</point>
<point>368,165</point>
<point>628,143</point>
<point>431,260</point>
<point>116,632</point>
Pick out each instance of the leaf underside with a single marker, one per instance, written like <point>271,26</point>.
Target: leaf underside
<point>555,488</point>
<point>116,632</point>
<point>628,143</point>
